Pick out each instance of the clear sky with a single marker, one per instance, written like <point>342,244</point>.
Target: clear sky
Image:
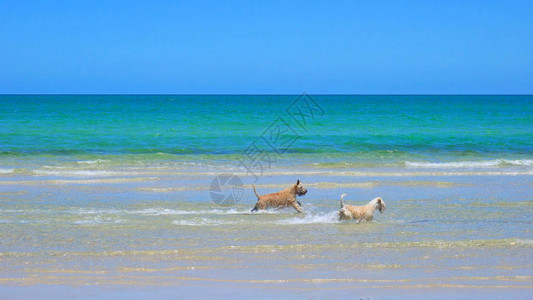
<point>228,47</point>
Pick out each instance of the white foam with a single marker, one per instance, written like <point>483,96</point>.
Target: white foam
<point>84,211</point>
<point>91,162</point>
<point>12,211</point>
<point>6,171</point>
<point>470,164</point>
<point>202,222</point>
<point>166,211</point>
<point>158,211</point>
<point>270,211</point>
<point>527,242</point>
<point>96,221</point>
<point>519,162</point>
<point>195,164</point>
<point>79,173</point>
<point>69,171</point>
<point>321,218</point>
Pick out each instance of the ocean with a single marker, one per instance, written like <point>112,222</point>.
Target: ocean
<point>121,196</point>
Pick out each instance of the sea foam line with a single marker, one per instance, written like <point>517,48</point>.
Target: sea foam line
<point>92,162</point>
<point>81,173</point>
<point>6,171</point>
<point>159,211</point>
<point>470,164</point>
<point>203,222</point>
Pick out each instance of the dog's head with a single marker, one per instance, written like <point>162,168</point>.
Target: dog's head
<point>380,204</point>
<point>300,190</point>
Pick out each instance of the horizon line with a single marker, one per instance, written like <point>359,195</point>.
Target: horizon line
<point>262,94</point>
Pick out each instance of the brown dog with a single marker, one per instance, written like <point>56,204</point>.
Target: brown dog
<point>285,198</point>
<point>361,213</point>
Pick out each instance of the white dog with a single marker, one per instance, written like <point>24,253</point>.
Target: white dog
<point>361,213</point>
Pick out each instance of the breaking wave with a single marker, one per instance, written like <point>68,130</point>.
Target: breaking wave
<point>6,171</point>
<point>471,164</point>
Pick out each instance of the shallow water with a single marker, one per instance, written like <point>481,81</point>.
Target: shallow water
<point>458,231</point>
<point>105,221</point>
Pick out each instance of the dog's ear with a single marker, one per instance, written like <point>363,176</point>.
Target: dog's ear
<point>381,205</point>
<point>298,182</point>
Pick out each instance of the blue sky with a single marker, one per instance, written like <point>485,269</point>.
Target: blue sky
<point>236,47</point>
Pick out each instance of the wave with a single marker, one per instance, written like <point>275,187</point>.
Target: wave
<point>92,162</point>
<point>97,221</point>
<point>98,168</point>
<point>525,242</point>
<point>81,181</point>
<point>321,218</point>
<point>471,164</point>
<point>157,211</point>
<point>203,222</point>
<point>6,171</point>
<point>167,211</point>
<point>80,173</point>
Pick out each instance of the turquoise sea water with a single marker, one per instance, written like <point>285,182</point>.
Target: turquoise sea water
<point>397,127</point>
<point>109,192</point>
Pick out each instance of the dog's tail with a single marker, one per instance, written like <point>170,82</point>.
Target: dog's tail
<point>255,192</point>
<point>255,207</point>
<point>342,198</point>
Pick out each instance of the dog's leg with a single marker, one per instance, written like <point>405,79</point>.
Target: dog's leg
<point>297,206</point>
